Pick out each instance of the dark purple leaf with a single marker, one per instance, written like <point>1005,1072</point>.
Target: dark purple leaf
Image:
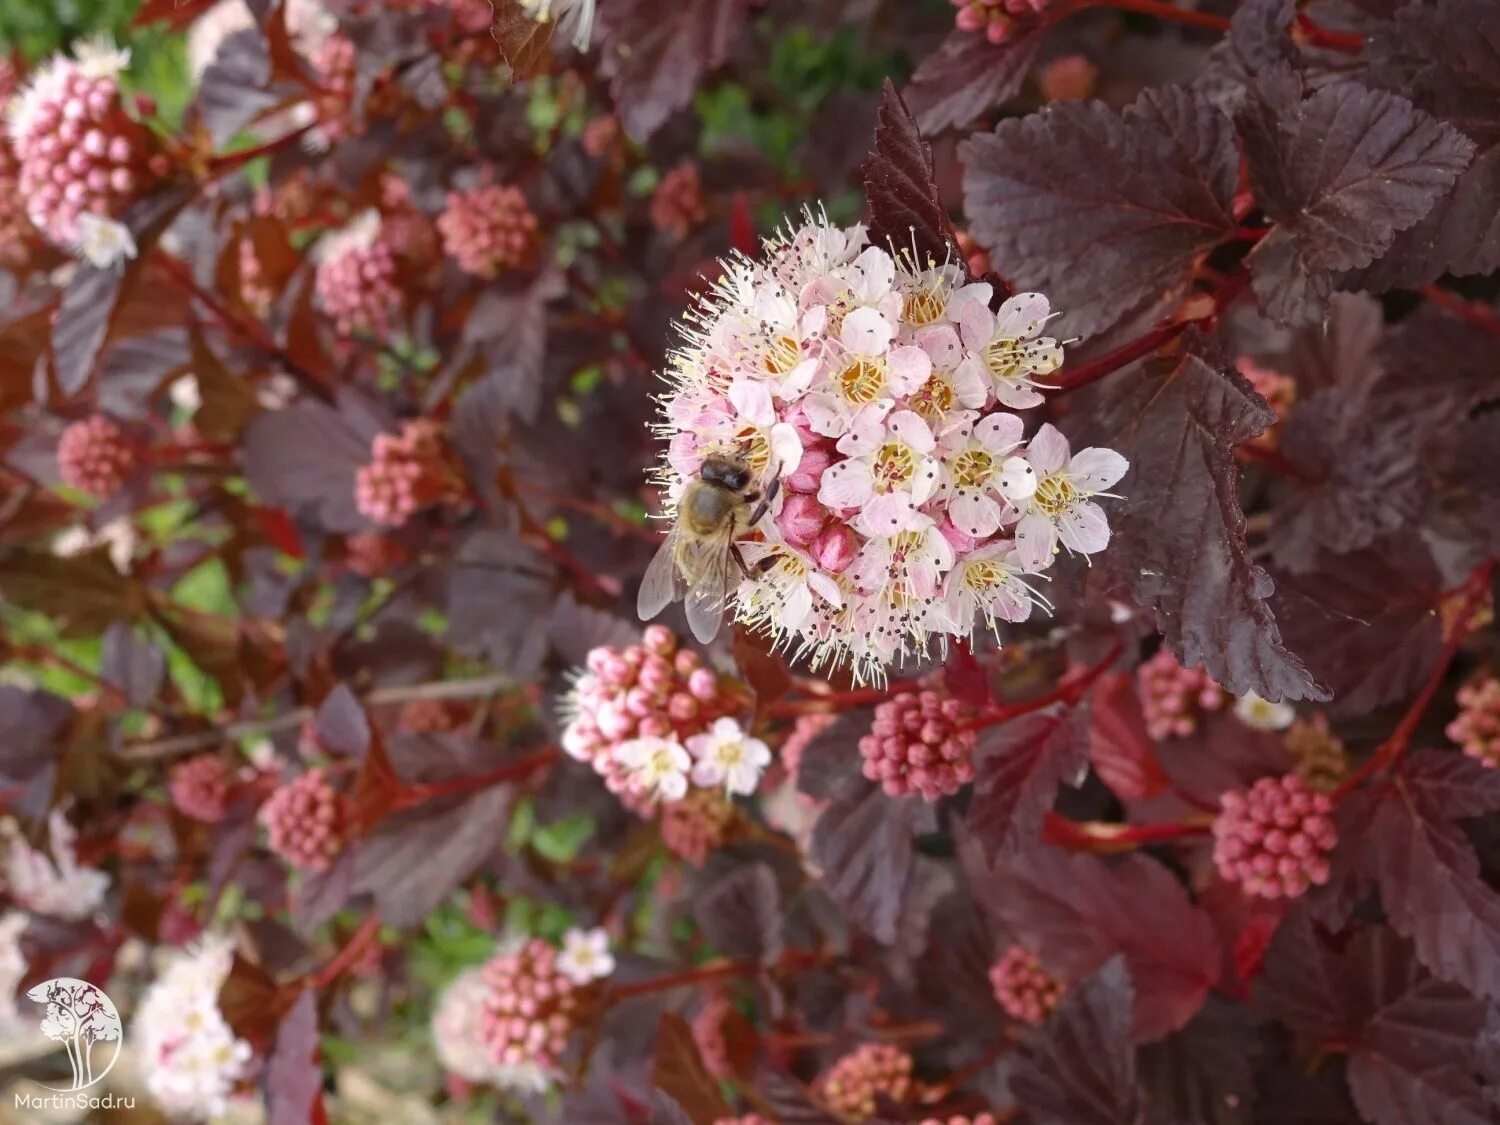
<point>1077,912</point>
<point>498,603</point>
<point>293,1078</point>
<point>741,914</point>
<point>1204,1073</point>
<point>1105,212</point>
<point>30,724</point>
<point>906,207</point>
<point>133,664</point>
<point>1444,56</point>
<point>508,330</point>
<point>1341,351</point>
<point>576,628</point>
<point>1341,173</point>
<point>1471,479</point>
<point>234,89</point>
<point>968,76</point>
<point>1180,534</point>
<point>681,1077</point>
<point>654,57</point>
<point>666,1110</point>
<point>1018,767</point>
<point>1449,784</point>
<point>305,459</point>
<point>1365,622</point>
<point>1081,1069</point>
<point>864,846</point>
<point>342,725</point>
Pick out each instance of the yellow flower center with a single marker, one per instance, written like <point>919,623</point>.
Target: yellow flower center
<point>983,576</point>
<point>861,381</point>
<point>895,464</point>
<point>933,400</point>
<point>1005,358</point>
<point>660,764</point>
<point>924,306</point>
<point>972,468</point>
<point>1054,493</point>
<point>782,354</point>
<point>754,446</point>
<point>731,754</point>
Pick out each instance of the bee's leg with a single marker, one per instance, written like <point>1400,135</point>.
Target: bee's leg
<point>739,559</point>
<point>765,501</point>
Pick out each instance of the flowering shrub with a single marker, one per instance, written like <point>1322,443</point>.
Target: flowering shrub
<point>1055,445</point>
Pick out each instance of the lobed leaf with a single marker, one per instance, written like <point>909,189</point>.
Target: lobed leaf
<point>968,76</point>
<point>1018,767</point>
<point>906,207</point>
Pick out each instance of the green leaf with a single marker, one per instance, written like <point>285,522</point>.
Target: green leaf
<point>562,840</point>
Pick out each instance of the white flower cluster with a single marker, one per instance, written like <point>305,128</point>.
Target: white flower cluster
<point>53,884</point>
<point>881,392</point>
<point>191,1056</point>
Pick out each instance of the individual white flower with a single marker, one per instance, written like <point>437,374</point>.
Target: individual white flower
<point>657,767</point>
<point>102,242</point>
<point>898,579</point>
<point>976,470</point>
<point>1262,714</point>
<point>953,386</point>
<point>871,369</point>
<point>575,18</point>
<point>585,956</point>
<point>725,755</point>
<point>785,590</point>
<point>185,394</point>
<point>888,472</point>
<point>53,884</point>
<point>1060,507</point>
<point>1004,347</point>
<point>987,583</point>
<point>359,233</point>
<point>118,533</point>
<point>98,57</point>
<point>455,1028</point>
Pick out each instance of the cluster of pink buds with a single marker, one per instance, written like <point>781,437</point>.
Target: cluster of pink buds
<point>307,821</point>
<point>998,19</point>
<point>200,786</point>
<point>677,204</point>
<point>83,158</point>
<point>918,744</point>
<point>1273,839</point>
<point>1022,987</point>
<point>488,230</point>
<point>1476,729</point>
<point>852,1084</point>
<point>694,826</point>
<point>708,1034</point>
<point>651,690</point>
<point>94,456</point>
<point>355,282</point>
<point>530,1008</point>
<point>1279,391</point>
<point>1173,697</point>
<point>409,471</point>
<point>334,63</point>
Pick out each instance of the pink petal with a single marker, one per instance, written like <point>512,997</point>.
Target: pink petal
<point>1036,536</point>
<point>1095,469</point>
<point>846,485</point>
<point>866,332</point>
<point>909,369</point>
<point>1048,450</point>
<point>1083,528</point>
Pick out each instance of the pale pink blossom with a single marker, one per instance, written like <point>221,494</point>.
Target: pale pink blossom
<point>1060,508</point>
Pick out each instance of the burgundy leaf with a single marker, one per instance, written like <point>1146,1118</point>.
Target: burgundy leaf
<point>679,1072</point>
<point>507,329</point>
<point>906,207</point>
<point>1180,534</point>
<point>1120,750</point>
<point>1018,767</point>
<point>30,723</point>
<point>1341,173</point>
<point>235,87</point>
<point>1451,785</point>
<point>342,725</point>
<point>1365,622</point>
<point>1077,911</point>
<point>305,459</point>
<point>133,664</point>
<point>293,1077</point>
<point>864,846</point>
<point>1105,212</point>
<point>1445,57</point>
<point>1342,350</point>
<point>968,76</point>
<point>741,914</point>
<point>1081,1069</point>
<point>1204,1073</point>
<point>666,1110</point>
<point>654,57</point>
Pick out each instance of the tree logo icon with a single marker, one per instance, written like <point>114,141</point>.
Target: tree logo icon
<point>79,1015</point>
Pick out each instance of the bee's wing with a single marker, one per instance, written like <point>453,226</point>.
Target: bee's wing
<point>711,582</point>
<point>663,583</point>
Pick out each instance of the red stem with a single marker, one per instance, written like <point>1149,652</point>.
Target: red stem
<point>512,771</point>
<point>1389,752</point>
<point>1318,36</point>
<point>233,161</point>
<point>834,700</point>
<point>1469,311</point>
<point>353,950</point>
<point>1098,836</point>
<point>1169,12</point>
<point>1068,691</point>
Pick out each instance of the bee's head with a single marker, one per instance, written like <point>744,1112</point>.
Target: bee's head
<point>727,471</point>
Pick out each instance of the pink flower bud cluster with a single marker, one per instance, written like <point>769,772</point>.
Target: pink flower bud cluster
<point>199,787</point>
<point>852,1084</point>
<point>80,152</point>
<point>917,744</point>
<point>1476,728</point>
<point>334,62</point>
<point>998,19</point>
<point>708,1034</point>
<point>409,471</point>
<point>94,456</point>
<point>1173,698</point>
<point>1273,839</point>
<point>355,282</point>
<point>882,392</point>
<point>677,204</point>
<point>647,690</point>
<point>529,1010</point>
<point>488,230</point>
<point>307,821</point>
<point>1022,987</point>
<point>697,824</point>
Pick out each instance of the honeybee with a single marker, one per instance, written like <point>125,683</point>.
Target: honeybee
<point>697,562</point>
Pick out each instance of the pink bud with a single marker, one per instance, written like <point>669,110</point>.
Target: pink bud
<point>962,544</point>
<point>809,472</point>
<point>835,548</point>
<point>801,519</point>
